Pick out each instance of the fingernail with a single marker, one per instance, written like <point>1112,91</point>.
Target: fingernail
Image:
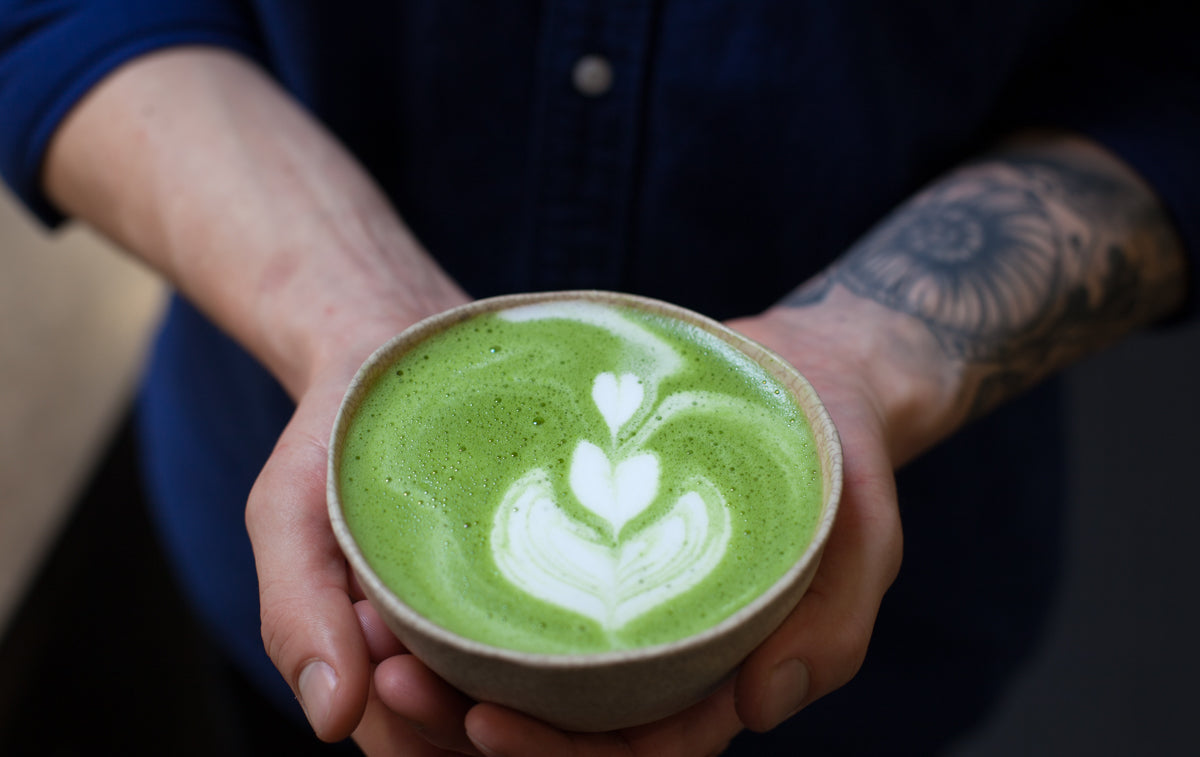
<point>474,726</point>
<point>317,683</point>
<point>786,689</point>
<point>483,747</point>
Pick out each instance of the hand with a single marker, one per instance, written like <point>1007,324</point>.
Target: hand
<point>310,628</point>
<point>819,647</point>
<point>822,644</point>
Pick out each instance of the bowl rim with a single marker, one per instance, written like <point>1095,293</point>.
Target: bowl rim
<point>824,432</point>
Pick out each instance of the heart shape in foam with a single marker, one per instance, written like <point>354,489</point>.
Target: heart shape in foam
<point>538,547</point>
<point>617,493</point>
<point>617,398</point>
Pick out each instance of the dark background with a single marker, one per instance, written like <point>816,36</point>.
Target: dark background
<point>1117,673</point>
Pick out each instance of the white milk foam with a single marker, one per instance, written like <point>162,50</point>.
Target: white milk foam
<point>609,575</point>
<point>617,398</point>
<point>540,548</point>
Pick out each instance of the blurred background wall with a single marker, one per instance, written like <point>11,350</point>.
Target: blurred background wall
<point>1117,673</point>
<point>74,320</point>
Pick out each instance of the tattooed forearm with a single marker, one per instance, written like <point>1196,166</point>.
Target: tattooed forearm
<point>1018,265</point>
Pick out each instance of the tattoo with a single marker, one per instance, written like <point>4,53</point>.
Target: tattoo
<point>1017,265</point>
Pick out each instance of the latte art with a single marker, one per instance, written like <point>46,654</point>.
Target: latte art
<point>542,550</point>
<point>608,575</point>
<point>570,476</point>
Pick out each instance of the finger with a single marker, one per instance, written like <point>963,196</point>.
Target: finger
<point>381,642</point>
<point>437,709</point>
<point>309,626</point>
<point>704,729</point>
<point>501,732</point>
<point>383,733</point>
<point>822,644</point>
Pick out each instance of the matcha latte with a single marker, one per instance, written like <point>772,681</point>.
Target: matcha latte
<point>573,476</point>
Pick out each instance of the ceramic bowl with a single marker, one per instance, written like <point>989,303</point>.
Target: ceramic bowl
<point>607,690</point>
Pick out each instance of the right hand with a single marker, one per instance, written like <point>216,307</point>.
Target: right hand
<point>311,628</point>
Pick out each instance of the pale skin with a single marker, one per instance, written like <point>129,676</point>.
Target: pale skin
<point>998,274</point>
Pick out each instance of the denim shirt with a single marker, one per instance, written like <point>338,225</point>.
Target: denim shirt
<point>715,153</point>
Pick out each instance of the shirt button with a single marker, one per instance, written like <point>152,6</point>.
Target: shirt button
<point>592,75</point>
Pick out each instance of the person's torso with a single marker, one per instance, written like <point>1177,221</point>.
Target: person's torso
<point>711,153</point>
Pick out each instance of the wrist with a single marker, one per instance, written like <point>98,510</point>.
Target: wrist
<point>887,363</point>
<point>324,326</point>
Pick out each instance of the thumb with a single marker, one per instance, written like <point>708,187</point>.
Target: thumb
<point>822,644</point>
<point>309,625</point>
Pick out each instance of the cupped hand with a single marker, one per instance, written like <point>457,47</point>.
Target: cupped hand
<point>817,649</point>
<point>823,642</point>
<point>307,594</point>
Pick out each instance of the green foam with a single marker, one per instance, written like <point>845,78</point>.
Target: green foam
<point>446,430</point>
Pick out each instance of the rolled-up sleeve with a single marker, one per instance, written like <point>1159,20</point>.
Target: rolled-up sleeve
<point>53,51</point>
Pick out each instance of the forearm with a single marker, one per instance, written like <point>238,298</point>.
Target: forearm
<point>199,164</point>
<point>992,278</point>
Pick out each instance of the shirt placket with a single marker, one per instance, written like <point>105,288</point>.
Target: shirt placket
<point>592,69</point>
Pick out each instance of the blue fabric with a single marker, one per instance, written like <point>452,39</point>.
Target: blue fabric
<point>53,51</point>
<point>208,419</point>
<point>743,146</point>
